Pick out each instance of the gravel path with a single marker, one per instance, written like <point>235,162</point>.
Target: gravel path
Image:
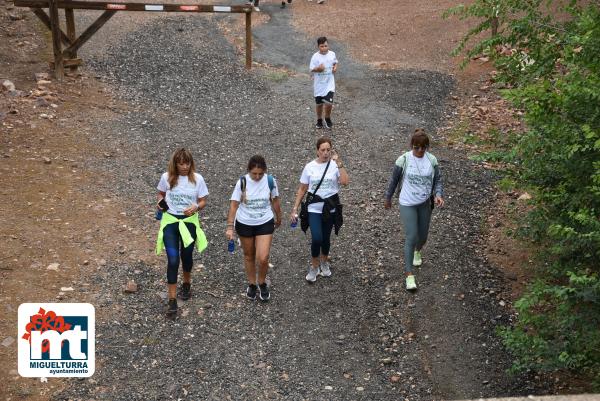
<point>357,335</point>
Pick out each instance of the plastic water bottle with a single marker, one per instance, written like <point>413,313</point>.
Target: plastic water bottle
<point>294,223</point>
<point>231,246</point>
<point>158,215</point>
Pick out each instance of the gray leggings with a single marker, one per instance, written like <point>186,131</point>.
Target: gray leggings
<point>416,227</point>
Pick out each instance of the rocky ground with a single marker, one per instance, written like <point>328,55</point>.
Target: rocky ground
<point>170,81</point>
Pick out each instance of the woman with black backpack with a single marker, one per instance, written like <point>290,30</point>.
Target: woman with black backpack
<point>321,211</point>
<point>253,201</point>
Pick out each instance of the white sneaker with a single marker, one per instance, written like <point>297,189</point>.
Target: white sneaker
<point>325,269</point>
<point>313,272</point>
<point>320,1</point>
<point>417,258</point>
<point>411,283</point>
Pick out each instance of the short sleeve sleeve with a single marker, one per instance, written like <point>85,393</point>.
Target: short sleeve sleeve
<point>305,177</point>
<point>201,188</point>
<point>237,192</point>
<point>163,184</point>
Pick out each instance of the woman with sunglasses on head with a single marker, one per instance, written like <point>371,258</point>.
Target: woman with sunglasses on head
<point>254,199</point>
<point>321,178</point>
<point>420,180</point>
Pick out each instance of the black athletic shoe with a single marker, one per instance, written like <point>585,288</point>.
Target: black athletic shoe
<point>328,123</point>
<point>186,291</point>
<point>319,124</point>
<point>172,308</point>
<point>283,4</point>
<point>264,294</point>
<point>289,1</point>
<point>251,292</point>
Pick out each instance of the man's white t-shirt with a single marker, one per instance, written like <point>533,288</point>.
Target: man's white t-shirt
<point>312,174</point>
<point>324,82</point>
<point>184,194</point>
<point>418,181</point>
<point>256,210</point>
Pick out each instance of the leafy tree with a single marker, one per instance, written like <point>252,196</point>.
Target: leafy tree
<point>549,57</point>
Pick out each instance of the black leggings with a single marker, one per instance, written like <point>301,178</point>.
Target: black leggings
<point>175,249</point>
<point>320,231</point>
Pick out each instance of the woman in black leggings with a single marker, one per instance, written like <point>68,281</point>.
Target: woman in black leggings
<point>321,177</point>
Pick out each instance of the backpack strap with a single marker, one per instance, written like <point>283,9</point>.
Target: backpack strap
<point>402,162</point>
<point>432,159</point>
<point>271,181</point>
<point>243,188</point>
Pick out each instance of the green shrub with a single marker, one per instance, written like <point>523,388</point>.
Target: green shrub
<point>553,68</point>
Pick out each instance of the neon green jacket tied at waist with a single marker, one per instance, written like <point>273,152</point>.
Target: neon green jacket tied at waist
<point>186,236</point>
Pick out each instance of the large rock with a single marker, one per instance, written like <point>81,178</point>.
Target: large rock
<point>8,86</point>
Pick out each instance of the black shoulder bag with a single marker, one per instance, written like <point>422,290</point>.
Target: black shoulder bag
<point>309,199</point>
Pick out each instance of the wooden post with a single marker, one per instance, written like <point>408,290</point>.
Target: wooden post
<point>90,31</point>
<point>249,40</point>
<point>59,72</point>
<point>70,18</point>
<point>46,21</point>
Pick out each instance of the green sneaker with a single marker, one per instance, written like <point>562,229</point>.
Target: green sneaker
<point>417,260</point>
<point>410,283</point>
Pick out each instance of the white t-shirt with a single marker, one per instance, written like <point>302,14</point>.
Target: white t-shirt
<point>312,174</point>
<point>324,82</point>
<point>184,194</point>
<point>418,181</point>
<point>257,208</point>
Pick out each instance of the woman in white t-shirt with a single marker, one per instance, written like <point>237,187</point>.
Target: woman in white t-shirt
<point>324,174</point>
<point>421,188</point>
<point>253,201</point>
<point>181,194</point>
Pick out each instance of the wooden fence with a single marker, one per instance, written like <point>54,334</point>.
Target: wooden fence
<point>67,57</point>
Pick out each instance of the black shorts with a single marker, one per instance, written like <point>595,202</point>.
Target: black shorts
<point>244,230</point>
<point>327,99</point>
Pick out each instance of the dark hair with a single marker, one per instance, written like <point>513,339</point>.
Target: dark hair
<point>322,140</point>
<point>419,138</point>
<point>257,161</point>
<point>321,40</point>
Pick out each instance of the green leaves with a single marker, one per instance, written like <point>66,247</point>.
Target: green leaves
<point>553,67</point>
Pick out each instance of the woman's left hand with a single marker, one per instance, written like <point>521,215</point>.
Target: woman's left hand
<point>193,208</point>
<point>277,222</point>
<point>334,156</point>
<point>439,201</point>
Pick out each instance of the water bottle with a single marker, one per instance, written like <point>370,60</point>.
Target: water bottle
<point>294,223</point>
<point>158,215</point>
<point>231,246</point>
